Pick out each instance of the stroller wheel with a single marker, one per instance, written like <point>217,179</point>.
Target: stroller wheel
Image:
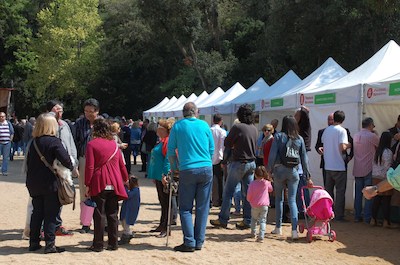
<point>332,236</point>
<point>301,228</point>
<point>309,237</point>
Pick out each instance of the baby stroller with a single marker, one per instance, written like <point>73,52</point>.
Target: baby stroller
<point>318,215</point>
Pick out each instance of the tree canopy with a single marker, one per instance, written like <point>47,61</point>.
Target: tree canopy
<point>129,54</point>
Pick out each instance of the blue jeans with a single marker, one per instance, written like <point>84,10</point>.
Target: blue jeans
<point>194,184</point>
<point>237,197</point>
<point>299,201</point>
<point>282,176</point>
<point>259,214</point>
<point>361,182</point>
<point>237,172</point>
<point>5,152</point>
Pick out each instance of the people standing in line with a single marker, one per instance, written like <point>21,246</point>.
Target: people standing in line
<point>258,197</point>
<point>219,136</point>
<point>135,141</point>
<point>129,210</point>
<point>190,150</point>
<point>242,139</point>
<point>126,138</point>
<point>65,135</point>
<point>382,162</point>
<point>16,147</point>
<point>286,174</point>
<point>365,143</point>
<point>105,177</point>
<point>82,131</point>
<point>42,182</point>
<point>158,169</point>
<point>143,154</point>
<point>6,137</point>
<point>335,141</point>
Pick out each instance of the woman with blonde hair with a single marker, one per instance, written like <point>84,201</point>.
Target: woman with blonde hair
<point>42,182</point>
<point>158,167</point>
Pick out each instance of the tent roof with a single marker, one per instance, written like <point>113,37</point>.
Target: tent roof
<point>328,72</point>
<point>259,89</point>
<point>285,83</point>
<point>381,65</point>
<point>201,97</point>
<point>218,92</point>
<point>160,104</point>
<point>169,105</point>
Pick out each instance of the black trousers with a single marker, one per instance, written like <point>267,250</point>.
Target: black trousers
<point>45,210</point>
<point>107,208</point>
<point>143,157</point>
<point>218,185</point>
<point>127,157</point>
<point>164,201</point>
<point>384,202</point>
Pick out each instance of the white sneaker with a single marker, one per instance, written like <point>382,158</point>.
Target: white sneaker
<point>295,235</point>
<point>277,231</point>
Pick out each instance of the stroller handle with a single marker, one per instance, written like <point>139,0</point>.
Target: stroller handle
<point>302,194</point>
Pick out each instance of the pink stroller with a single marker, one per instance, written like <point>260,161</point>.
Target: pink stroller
<point>318,214</point>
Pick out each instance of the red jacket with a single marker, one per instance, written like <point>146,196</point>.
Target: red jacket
<point>267,149</point>
<point>99,173</point>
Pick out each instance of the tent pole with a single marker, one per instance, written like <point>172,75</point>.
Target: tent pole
<point>362,116</point>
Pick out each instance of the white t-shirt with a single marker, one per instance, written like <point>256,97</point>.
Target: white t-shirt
<point>333,136</point>
<point>219,136</point>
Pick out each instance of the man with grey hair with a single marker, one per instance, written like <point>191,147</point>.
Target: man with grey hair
<point>6,137</point>
<point>190,149</point>
<point>365,143</point>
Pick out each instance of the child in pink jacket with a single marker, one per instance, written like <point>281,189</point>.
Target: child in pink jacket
<point>258,197</point>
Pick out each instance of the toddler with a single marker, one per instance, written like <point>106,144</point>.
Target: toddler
<point>258,197</point>
<point>130,210</point>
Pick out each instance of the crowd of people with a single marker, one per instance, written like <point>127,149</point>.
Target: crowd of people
<point>213,165</point>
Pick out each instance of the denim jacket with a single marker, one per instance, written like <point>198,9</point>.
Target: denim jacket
<point>280,140</point>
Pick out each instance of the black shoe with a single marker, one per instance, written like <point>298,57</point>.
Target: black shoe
<point>53,249</point>
<point>173,223</point>
<point>125,239</point>
<point>34,247</point>
<point>197,248</point>
<point>112,248</point>
<point>184,248</point>
<point>158,229</point>
<point>92,248</point>
<point>85,229</point>
<point>142,170</point>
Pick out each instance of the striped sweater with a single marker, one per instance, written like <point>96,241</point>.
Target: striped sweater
<point>6,131</point>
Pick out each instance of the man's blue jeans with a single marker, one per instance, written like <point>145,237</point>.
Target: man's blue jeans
<point>286,176</point>
<point>237,172</point>
<point>360,183</point>
<point>194,184</point>
<point>5,152</point>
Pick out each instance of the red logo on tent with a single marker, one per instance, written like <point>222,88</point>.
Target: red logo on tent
<point>370,92</point>
<point>301,99</point>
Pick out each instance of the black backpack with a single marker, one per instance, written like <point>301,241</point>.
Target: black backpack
<point>290,154</point>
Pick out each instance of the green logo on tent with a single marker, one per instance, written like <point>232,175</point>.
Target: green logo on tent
<point>325,98</point>
<point>394,89</point>
<point>278,102</point>
<point>202,117</point>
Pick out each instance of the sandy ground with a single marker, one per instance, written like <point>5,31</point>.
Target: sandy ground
<point>356,243</point>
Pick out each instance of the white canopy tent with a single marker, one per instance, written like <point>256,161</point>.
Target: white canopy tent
<point>347,94</point>
<point>218,92</point>
<point>162,103</point>
<point>160,112</point>
<point>178,106</point>
<point>259,89</point>
<point>177,112</point>
<point>382,102</point>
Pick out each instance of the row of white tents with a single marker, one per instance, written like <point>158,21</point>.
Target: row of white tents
<point>371,90</point>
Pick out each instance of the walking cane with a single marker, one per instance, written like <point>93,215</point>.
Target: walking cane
<point>170,186</point>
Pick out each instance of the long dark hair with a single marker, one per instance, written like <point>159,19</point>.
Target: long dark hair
<point>290,127</point>
<point>384,143</point>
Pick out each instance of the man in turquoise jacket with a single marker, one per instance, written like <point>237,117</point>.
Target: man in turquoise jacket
<point>191,148</point>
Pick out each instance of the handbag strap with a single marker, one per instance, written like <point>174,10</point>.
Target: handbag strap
<point>43,158</point>
<point>111,157</point>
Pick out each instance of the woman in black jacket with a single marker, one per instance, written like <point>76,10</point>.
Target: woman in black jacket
<point>42,183</point>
